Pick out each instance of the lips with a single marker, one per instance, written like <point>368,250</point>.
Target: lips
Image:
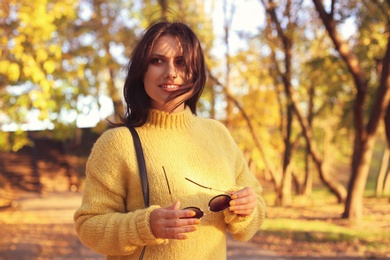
<point>169,86</point>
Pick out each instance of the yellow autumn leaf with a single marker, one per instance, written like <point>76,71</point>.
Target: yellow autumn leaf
<point>20,142</point>
<point>41,55</point>
<point>39,101</point>
<point>4,64</point>
<point>3,40</point>
<point>45,85</point>
<point>19,39</point>
<point>13,72</point>
<point>49,66</point>
<point>27,71</point>
<point>56,50</point>
<point>17,49</point>
<point>81,73</point>
<point>37,75</point>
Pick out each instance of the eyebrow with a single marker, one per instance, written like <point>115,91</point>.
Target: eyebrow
<point>163,56</point>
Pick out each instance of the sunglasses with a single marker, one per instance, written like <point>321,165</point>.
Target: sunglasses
<point>216,204</point>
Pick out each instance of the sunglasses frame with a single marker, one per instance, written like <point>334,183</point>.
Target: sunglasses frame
<point>199,213</point>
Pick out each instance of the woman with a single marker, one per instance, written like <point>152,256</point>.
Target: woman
<point>184,155</point>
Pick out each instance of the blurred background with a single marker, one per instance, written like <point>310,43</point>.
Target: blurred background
<point>302,85</point>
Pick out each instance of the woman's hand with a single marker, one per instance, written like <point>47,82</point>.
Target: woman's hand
<point>168,222</point>
<point>243,202</point>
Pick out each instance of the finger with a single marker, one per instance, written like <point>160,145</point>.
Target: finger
<point>178,214</point>
<point>243,209</point>
<point>178,233</point>
<point>243,203</point>
<point>243,213</point>
<point>174,206</point>
<point>175,212</point>
<point>242,193</point>
<point>185,213</point>
<point>181,221</point>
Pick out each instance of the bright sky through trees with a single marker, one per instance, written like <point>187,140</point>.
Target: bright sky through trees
<point>247,17</point>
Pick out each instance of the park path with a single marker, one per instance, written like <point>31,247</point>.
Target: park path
<point>41,227</point>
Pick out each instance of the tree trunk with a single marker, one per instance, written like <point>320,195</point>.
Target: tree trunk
<point>286,199</point>
<point>380,181</point>
<point>386,185</point>
<point>333,185</point>
<point>387,125</point>
<point>285,192</point>
<point>308,183</point>
<point>361,166</point>
<point>364,135</point>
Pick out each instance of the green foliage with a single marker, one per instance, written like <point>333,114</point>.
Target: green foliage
<point>13,141</point>
<point>312,226</point>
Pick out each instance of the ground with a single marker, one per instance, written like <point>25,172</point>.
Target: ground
<point>40,226</point>
<point>315,228</point>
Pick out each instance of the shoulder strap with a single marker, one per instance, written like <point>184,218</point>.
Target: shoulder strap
<point>141,165</point>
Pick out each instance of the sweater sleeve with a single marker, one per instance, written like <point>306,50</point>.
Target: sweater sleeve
<point>102,221</point>
<point>244,228</point>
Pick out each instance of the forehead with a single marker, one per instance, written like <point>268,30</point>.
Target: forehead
<point>167,45</point>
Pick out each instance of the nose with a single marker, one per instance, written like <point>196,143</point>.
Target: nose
<point>171,71</point>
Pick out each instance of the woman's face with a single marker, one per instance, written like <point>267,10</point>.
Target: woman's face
<point>165,74</point>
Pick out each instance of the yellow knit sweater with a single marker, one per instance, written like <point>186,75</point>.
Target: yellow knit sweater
<point>112,219</point>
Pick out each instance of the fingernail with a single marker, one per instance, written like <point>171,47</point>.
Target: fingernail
<point>197,221</point>
<point>234,196</point>
<point>232,202</point>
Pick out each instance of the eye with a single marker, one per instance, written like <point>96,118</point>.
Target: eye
<point>156,60</point>
<point>180,62</point>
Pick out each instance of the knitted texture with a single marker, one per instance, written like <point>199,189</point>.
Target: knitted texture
<point>112,219</point>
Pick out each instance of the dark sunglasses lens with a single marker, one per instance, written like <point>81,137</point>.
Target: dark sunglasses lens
<point>198,212</point>
<point>219,203</point>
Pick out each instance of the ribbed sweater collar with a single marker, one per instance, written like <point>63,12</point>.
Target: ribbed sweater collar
<point>178,120</point>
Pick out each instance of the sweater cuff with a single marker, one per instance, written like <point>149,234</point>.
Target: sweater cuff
<point>143,227</point>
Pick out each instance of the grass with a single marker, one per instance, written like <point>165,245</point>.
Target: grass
<point>313,227</point>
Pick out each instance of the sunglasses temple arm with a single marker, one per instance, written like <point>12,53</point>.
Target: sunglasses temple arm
<point>166,179</point>
<point>224,191</point>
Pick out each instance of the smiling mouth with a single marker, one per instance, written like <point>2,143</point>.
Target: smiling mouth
<point>170,87</point>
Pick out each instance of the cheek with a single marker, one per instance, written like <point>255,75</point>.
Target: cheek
<point>150,76</point>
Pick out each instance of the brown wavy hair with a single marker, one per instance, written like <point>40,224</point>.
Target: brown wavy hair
<point>137,101</point>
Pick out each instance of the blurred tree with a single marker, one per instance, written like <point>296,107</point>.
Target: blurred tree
<point>103,36</point>
<point>58,58</point>
<point>284,191</point>
<point>30,58</point>
<point>373,23</point>
<point>286,28</point>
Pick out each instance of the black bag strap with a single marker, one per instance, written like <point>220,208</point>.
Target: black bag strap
<point>141,165</point>
<point>142,173</point>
